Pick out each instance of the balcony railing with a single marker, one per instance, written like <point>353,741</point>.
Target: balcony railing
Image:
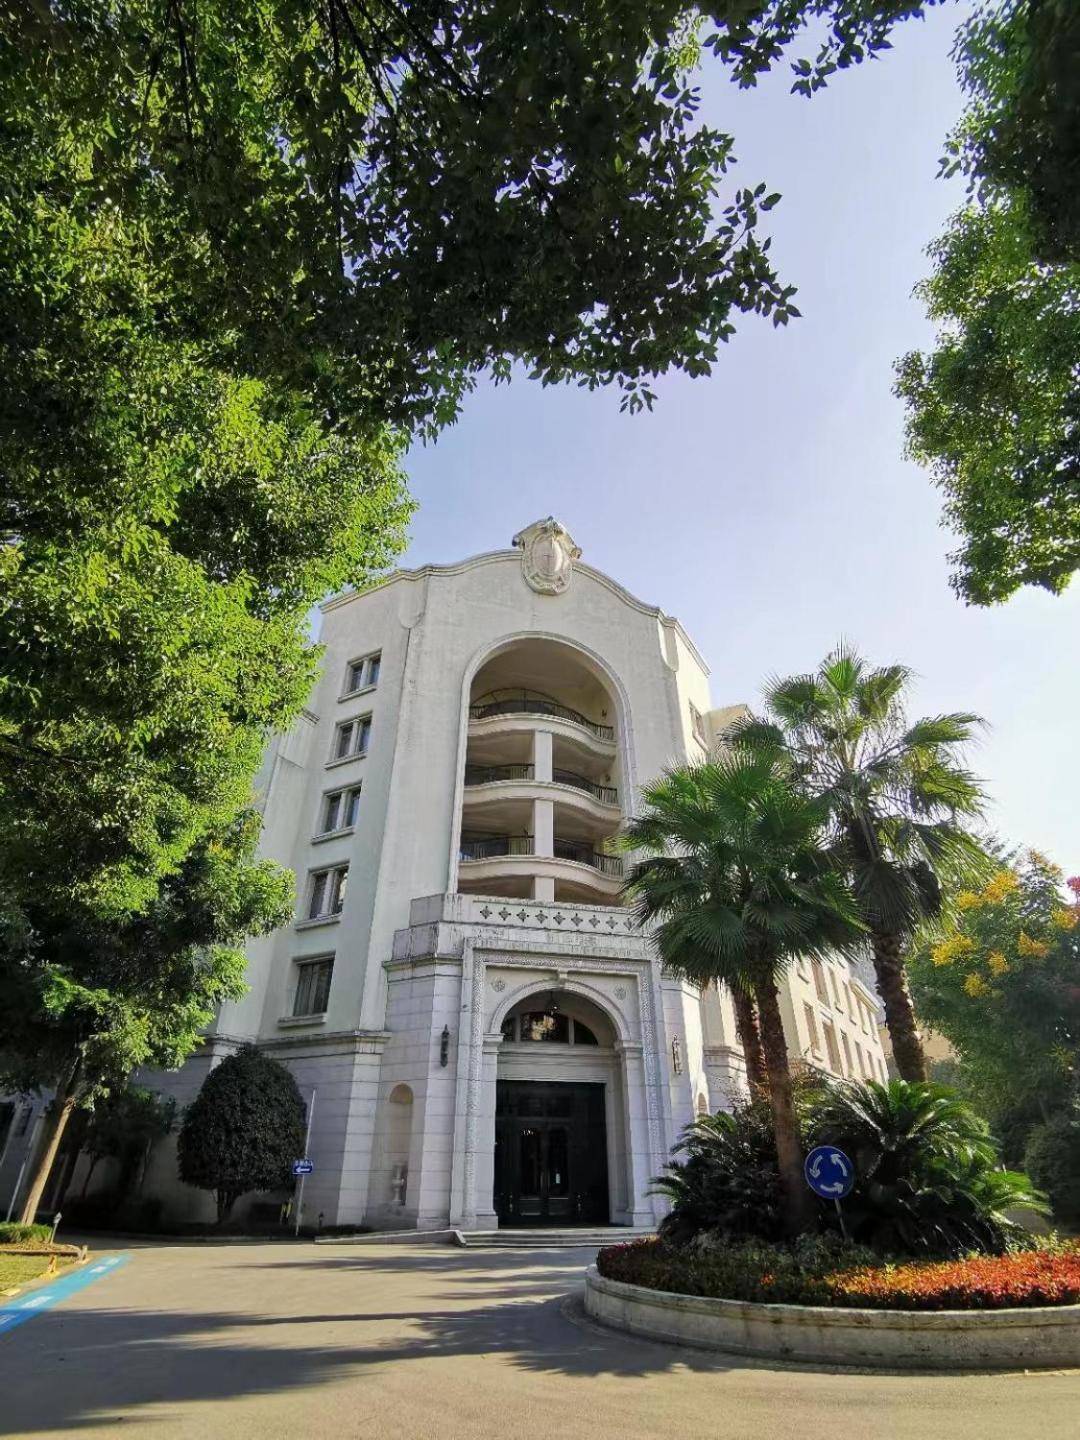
<point>500,847</point>
<point>584,854</point>
<point>526,706</point>
<point>605,793</point>
<point>487,774</point>
<point>495,847</point>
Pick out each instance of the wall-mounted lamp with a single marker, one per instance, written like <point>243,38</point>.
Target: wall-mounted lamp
<point>676,1055</point>
<point>444,1047</point>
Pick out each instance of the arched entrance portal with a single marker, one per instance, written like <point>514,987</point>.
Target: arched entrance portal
<point>557,1102</point>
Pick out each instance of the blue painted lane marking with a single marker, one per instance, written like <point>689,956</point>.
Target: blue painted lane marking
<point>16,1311</point>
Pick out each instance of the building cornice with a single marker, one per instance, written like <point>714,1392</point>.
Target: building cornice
<point>493,557</point>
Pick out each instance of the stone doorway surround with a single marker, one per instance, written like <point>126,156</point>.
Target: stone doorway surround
<point>493,981</point>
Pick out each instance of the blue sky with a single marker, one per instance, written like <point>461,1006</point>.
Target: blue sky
<point>769,506</point>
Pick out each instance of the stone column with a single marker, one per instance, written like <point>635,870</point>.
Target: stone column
<point>542,751</point>
<point>544,844</point>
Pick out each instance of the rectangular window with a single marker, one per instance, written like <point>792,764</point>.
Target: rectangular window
<point>697,725</point>
<point>352,737</point>
<point>865,1016</point>
<point>836,990</point>
<point>832,1049</point>
<point>812,1030</point>
<point>363,674</point>
<point>340,809</point>
<point>859,1058</point>
<point>313,986</point>
<point>328,891</point>
<point>849,1068</point>
<point>819,981</point>
<point>352,806</point>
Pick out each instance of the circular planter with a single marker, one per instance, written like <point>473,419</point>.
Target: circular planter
<point>1043,1337</point>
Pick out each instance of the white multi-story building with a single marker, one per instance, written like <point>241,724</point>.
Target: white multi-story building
<point>490,1039</point>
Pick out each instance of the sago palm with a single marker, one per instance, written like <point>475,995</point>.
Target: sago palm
<point>736,885</point>
<point>927,1171</point>
<point>901,803</point>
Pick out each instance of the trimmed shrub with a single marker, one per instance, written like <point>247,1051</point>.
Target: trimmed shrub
<point>823,1271</point>
<point>1053,1161</point>
<point>15,1234</point>
<point>243,1131</point>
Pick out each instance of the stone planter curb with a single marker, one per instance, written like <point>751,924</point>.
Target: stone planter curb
<point>1044,1337</point>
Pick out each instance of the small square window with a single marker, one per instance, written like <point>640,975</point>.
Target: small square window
<point>362,674</point>
<point>313,986</point>
<point>328,892</point>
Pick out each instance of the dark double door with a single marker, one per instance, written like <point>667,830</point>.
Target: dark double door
<point>550,1153</point>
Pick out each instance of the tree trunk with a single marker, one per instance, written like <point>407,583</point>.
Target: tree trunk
<point>892,985</point>
<point>52,1132</point>
<point>749,1033</point>
<point>789,1155</point>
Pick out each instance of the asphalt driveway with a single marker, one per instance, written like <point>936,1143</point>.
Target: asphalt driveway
<point>434,1343</point>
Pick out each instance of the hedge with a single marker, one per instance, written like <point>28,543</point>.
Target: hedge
<point>812,1273</point>
<point>12,1234</point>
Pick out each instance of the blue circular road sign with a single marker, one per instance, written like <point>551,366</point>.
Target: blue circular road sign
<point>829,1172</point>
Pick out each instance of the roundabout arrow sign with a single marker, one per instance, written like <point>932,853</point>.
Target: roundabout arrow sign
<point>829,1172</point>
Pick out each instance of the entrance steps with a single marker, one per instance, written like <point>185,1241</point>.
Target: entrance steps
<point>587,1237</point>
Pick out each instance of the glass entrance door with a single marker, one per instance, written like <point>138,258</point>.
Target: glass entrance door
<point>550,1153</point>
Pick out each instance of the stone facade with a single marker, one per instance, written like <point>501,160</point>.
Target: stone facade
<point>447,801</point>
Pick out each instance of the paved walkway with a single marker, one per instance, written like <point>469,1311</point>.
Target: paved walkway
<point>418,1343</point>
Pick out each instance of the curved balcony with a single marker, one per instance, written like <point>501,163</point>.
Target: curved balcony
<point>508,862</point>
<point>531,707</point>
<point>488,784</point>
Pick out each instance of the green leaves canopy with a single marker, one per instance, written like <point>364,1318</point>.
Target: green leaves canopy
<point>895,791</point>
<point>737,883</point>
<point>993,410</point>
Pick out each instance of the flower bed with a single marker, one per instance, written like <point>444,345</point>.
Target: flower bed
<point>823,1274</point>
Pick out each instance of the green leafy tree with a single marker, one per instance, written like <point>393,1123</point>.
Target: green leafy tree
<point>1002,985</point>
<point>243,1131</point>
<point>993,411</point>
<point>1053,1158</point>
<point>91,1000</point>
<point>124,1126</point>
<point>899,800</point>
<point>736,885</point>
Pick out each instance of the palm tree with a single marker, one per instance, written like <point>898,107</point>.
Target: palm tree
<point>899,798</point>
<point>735,885</point>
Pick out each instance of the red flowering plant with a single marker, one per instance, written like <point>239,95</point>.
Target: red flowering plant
<point>818,1272</point>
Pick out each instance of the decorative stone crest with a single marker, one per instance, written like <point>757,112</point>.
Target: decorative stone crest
<point>548,553</point>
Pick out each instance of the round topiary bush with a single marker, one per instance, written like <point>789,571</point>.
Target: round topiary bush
<point>243,1131</point>
<point>1052,1159</point>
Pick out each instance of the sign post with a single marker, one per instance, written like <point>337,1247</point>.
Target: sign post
<point>303,1168</point>
<point>830,1174</point>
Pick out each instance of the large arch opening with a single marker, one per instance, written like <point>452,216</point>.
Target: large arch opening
<point>543,785</point>
<point>559,1107</point>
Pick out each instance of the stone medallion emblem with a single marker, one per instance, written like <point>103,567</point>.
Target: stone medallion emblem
<point>548,553</point>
